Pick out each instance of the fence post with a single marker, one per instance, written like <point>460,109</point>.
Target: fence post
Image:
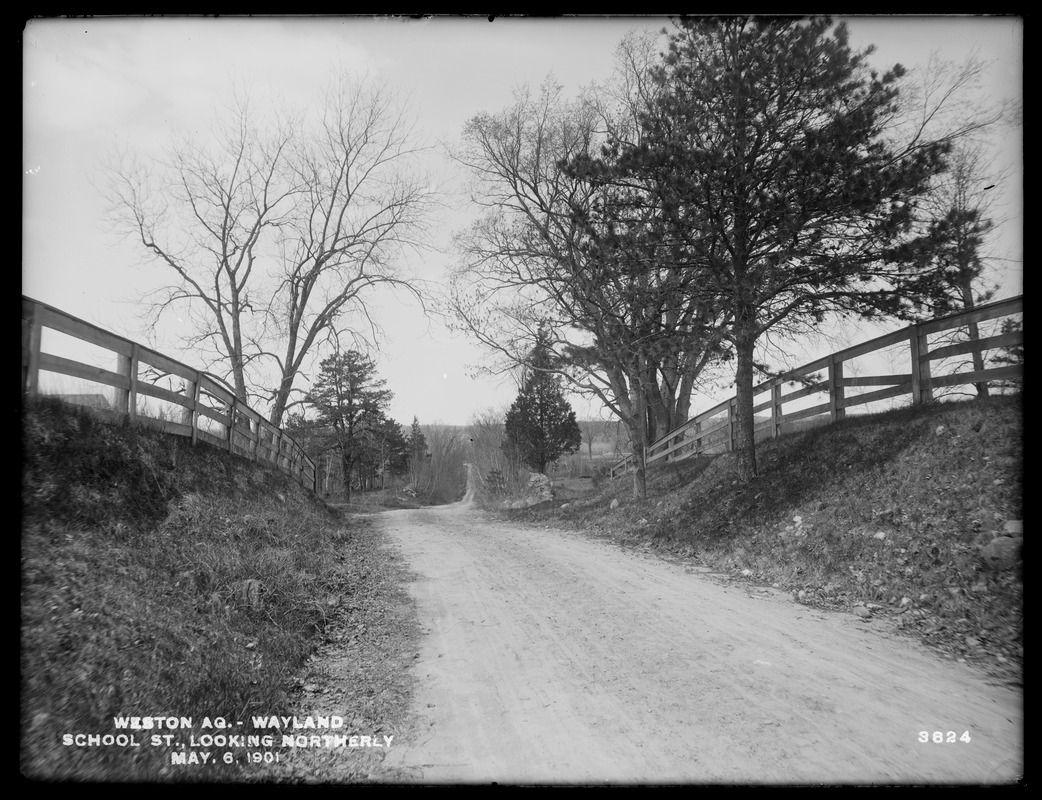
<point>977,357</point>
<point>188,390</point>
<point>732,421</point>
<point>231,425</point>
<point>836,410</point>
<point>195,406</point>
<point>32,334</point>
<point>776,404</point>
<point>921,392</point>
<point>126,399</point>
<point>255,432</point>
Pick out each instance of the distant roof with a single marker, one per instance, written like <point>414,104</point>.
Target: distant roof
<point>92,400</point>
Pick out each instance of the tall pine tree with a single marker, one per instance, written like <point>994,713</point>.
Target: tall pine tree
<point>418,454</point>
<point>765,146</point>
<point>351,401</point>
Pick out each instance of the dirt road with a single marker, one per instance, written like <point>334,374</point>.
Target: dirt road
<point>549,657</point>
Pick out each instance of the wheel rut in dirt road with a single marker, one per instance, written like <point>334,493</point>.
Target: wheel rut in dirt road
<point>552,658</point>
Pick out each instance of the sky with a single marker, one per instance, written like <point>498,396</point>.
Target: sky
<point>92,85</point>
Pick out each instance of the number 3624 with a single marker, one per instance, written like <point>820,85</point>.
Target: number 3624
<point>943,737</point>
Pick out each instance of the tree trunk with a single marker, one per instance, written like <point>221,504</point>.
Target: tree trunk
<point>638,440</point>
<point>235,354</point>
<point>682,408</point>
<point>640,478</point>
<point>977,355</point>
<point>383,462</point>
<point>281,401</point>
<point>239,379</point>
<point>346,465</point>
<point>745,445</point>
<point>978,360</point>
<point>659,412</point>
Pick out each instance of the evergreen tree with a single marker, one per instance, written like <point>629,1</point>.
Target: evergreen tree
<point>383,451</point>
<point>350,400</point>
<point>395,449</point>
<point>541,425</point>
<point>765,148</point>
<point>417,452</point>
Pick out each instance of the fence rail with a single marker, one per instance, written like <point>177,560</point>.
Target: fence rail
<point>208,409</point>
<point>714,430</point>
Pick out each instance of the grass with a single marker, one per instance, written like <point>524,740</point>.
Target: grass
<point>886,513</point>
<point>162,579</point>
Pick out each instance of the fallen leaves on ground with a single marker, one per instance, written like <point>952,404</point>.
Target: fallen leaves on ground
<point>359,672</point>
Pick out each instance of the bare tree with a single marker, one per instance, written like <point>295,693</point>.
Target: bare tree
<point>444,475</point>
<point>276,230</point>
<point>204,212</point>
<point>953,251</point>
<point>944,101</point>
<point>496,472</point>
<point>954,256</point>
<point>363,202</point>
<point>546,262</point>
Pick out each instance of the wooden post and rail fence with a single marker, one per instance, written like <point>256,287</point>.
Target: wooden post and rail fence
<point>209,410</point>
<point>713,431</point>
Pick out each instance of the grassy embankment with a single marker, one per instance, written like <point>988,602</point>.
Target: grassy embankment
<point>161,579</point>
<point>884,515</point>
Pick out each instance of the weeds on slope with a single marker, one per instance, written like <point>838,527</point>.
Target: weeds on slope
<point>160,580</point>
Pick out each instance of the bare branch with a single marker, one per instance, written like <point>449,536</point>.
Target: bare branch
<point>274,231</point>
